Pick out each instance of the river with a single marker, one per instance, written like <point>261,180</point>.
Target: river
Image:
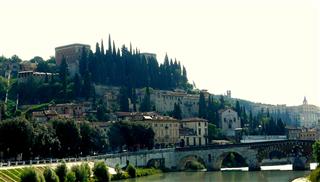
<point>281,173</point>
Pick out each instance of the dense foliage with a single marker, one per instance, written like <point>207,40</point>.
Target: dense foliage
<point>60,138</point>
<point>50,175</point>
<point>132,135</point>
<point>130,68</point>
<point>31,175</point>
<point>100,172</point>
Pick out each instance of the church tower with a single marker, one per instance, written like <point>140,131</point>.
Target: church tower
<point>305,102</point>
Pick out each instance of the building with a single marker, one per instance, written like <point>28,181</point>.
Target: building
<point>309,134</point>
<point>305,115</point>
<point>72,53</point>
<point>193,132</point>
<point>43,116</point>
<point>28,66</point>
<point>166,130</point>
<point>303,134</point>
<point>71,110</point>
<point>39,76</point>
<point>293,133</point>
<point>149,55</point>
<point>135,116</point>
<point>229,121</point>
<point>164,101</point>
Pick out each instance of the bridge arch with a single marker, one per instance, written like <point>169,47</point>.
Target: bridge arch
<point>189,158</point>
<point>217,163</point>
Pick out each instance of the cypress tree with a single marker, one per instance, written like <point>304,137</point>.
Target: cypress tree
<point>123,100</point>
<point>146,103</point>
<point>77,86</point>
<point>102,48</point>
<point>109,45</point>
<point>97,53</point>
<point>63,74</point>
<point>177,113</point>
<point>83,63</point>
<point>202,106</point>
<point>87,85</point>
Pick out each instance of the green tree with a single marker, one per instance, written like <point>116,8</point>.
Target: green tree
<point>71,177</point>
<point>202,106</point>
<point>68,133</point>
<point>145,105</point>
<point>102,111</point>
<point>82,172</point>
<point>316,151</point>
<point>16,136</point>
<point>87,89</point>
<point>50,175</point>
<point>63,74</point>
<point>131,171</point>
<point>62,171</point>
<point>30,175</point>
<point>123,100</point>
<point>100,172</point>
<point>77,86</point>
<point>177,113</point>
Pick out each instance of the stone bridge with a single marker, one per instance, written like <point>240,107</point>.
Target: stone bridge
<point>297,152</point>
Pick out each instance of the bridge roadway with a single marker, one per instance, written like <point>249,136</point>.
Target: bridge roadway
<point>296,152</point>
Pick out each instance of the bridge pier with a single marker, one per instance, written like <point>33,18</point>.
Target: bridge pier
<point>254,168</point>
<point>300,164</point>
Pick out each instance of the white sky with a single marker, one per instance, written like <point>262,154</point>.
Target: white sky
<point>262,50</point>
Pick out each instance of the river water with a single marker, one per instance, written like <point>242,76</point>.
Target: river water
<point>281,173</point>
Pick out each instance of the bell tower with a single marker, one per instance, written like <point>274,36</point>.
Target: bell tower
<point>305,102</point>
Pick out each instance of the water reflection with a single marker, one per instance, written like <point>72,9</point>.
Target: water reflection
<point>282,174</point>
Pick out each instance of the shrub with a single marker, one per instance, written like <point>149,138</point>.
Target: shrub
<point>50,175</point>
<point>131,171</point>
<point>194,165</point>
<point>61,171</point>
<point>315,175</point>
<point>147,171</point>
<point>82,172</point>
<point>100,172</point>
<point>71,177</point>
<point>30,175</point>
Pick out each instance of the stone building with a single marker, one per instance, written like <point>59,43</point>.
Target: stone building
<point>71,110</point>
<point>303,133</point>
<point>72,53</point>
<point>229,121</point>
<point>43,116</point>
<point>193,132</point>
<point>39,76</point>
<point>164,101</point>
<point>166,130</point>
<point>305,115</point>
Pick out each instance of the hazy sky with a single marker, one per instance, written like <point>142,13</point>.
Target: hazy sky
<point>262,50</point>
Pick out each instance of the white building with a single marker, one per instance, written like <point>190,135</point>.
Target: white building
<point>193,131</point>
<point>229,121</point>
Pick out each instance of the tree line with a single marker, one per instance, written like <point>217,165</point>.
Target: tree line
<point>132,69</point>
<point>58,138</point>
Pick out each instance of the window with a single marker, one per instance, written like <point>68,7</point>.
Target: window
<point>234,119</point>
<point>199,131</point>
<point>199,124</point>
<point>200,141</point>
<point>194,140</point>
<point>225,119</point>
